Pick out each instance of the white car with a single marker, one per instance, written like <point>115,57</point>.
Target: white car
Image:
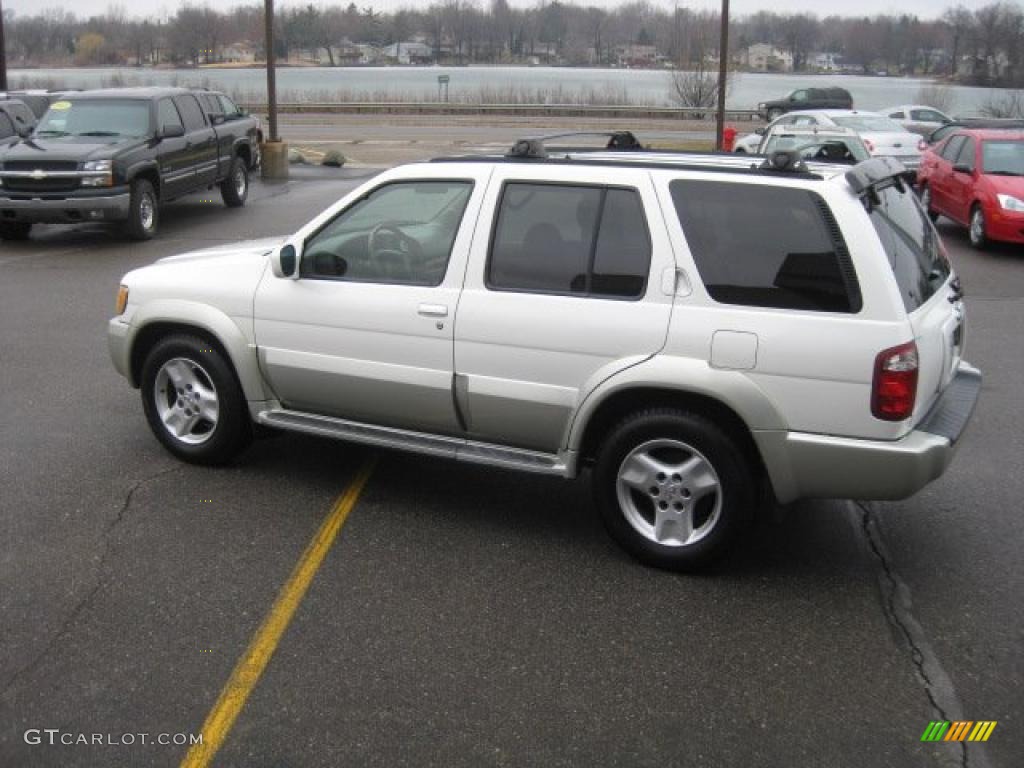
<point>917,118</point>
<point>551,311</point>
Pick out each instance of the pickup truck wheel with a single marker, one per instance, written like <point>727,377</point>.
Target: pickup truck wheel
<point>143,211</point>
<point>235,188</point>
<point>15,230</point>
<point>193,402</point>
<point>672,488</point>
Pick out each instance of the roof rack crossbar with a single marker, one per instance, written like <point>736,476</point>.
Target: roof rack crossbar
<point>534,146</point>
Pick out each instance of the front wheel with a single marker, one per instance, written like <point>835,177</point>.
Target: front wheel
<point>143,210</point>
<point>192,401</point>
<point>978,228</point>
<point>235,188</point>
<point>672,488</point>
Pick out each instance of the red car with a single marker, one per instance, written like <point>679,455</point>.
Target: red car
<point>976,178</point>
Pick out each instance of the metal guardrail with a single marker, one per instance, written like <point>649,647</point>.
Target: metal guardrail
<point>524,110</point>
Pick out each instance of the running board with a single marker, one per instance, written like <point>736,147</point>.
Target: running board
<point>417,442</point>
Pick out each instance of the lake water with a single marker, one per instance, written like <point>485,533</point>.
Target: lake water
<point>382,83</point>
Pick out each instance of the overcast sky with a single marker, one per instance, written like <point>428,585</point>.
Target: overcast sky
<point>923,8</point>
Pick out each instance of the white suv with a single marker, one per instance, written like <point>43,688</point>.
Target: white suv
<point>699,332</point>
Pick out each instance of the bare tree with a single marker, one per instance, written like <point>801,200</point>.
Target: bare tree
<point>936,95</point>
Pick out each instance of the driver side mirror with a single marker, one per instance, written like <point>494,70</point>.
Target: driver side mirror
<point>285,262</point>
<point>172,131</point>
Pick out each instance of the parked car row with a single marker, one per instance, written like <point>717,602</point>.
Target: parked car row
<point>880,135</point>
<point>116,155</point>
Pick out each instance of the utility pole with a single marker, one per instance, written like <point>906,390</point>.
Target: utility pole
<point>271,75</point>
<point>3,51</point>
<point>723,73</point>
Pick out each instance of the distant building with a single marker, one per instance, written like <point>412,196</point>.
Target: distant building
<point>410,52</point>
<point>637,56</point>
<point>764,57</point>
<point>825,61</point>
<point>242,52</point>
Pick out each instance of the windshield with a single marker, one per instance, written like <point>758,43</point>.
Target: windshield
<point>1003,157</point>
<point>96,117</point>
<point>868,123</point>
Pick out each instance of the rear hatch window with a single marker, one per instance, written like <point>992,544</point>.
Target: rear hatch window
<point>915,251</point>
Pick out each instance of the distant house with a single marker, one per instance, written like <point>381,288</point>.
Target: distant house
<point>409,52</point>
<point>825,61</point>
<point>764,57</point>
<point>636,55</point>
<point>242,52</point>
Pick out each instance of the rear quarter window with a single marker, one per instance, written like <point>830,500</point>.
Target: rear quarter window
<point>766,246</point>
<point>915,251</point>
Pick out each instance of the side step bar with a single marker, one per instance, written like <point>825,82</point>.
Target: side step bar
<point>417,442</point>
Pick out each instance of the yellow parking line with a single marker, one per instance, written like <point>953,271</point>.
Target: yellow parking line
<point>250,666</point>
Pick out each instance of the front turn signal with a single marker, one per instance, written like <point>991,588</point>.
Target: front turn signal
<point>122,299</point>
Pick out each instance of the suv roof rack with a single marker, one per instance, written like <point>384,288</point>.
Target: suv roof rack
<point>534,147</point>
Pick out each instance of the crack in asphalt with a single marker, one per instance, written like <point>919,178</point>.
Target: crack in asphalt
<point>82,604</point>
<point>898,607</point>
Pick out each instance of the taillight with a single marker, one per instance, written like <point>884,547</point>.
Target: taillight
<point>871,147</point>
<point>894,388</point>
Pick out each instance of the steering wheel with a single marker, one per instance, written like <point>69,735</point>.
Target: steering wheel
<point>403,250</point>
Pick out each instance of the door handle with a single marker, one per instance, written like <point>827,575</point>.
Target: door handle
<point>433,310</point>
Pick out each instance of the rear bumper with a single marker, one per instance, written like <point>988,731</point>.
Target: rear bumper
<point>803,465</point>
<point>106,205</point>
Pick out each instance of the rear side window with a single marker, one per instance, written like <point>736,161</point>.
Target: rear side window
<point>915,253</point>
<point>190,113</point>
<point>952,148</point>
<point>569,239</point>
<point>786,252</point>
<point>167,114</point>
<point>6,126</point>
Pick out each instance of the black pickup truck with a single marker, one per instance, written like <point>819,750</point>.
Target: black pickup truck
<point>115,155</point>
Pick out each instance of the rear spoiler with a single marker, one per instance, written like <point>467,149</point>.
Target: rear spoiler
<point>876,173</point>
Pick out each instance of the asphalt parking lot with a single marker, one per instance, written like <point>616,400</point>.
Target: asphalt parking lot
<point>465,615</point>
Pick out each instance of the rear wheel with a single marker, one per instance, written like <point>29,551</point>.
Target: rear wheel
<point>978,229</point>
<point>192,401</point>
<point>15,230</point>
<point>926,202</point>
<point>143,211</point>
<point>235,188</point>
<point>672,488</point>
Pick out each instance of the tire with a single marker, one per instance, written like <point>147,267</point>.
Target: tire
<point>926,203</point>
<point>643,464</point>
<point>977,228</point>
<point>774,114</point>
<point>214,426</point>
<point>15,230</point>
<point>235,188</point>
<point>143,211</point>
<point>740,151</point>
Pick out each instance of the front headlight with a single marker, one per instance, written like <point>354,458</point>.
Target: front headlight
<point>98,167</point>
<point>1011,203</point>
